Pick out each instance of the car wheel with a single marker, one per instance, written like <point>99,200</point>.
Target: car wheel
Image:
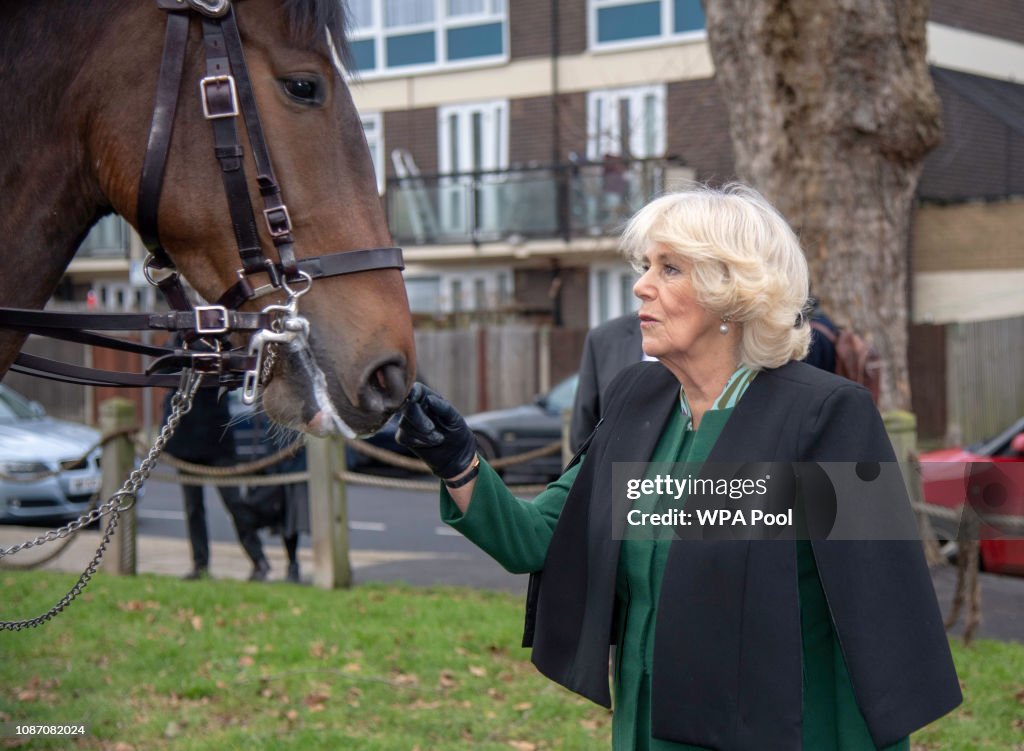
<point>486,448</point>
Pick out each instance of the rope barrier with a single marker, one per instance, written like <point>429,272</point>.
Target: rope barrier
<point>226,482</point>
<point>376,481</point>
<point>1003,522</point>
<point>204,470</point>
<point>385,456</point>
<point>415,465</point>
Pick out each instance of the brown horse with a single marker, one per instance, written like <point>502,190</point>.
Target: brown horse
<point>78,82</point>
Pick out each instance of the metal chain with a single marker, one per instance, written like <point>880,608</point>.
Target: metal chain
<point>268,363</point>
<point>122,500</point>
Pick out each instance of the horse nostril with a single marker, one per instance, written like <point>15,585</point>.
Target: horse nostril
<point>384,389</point>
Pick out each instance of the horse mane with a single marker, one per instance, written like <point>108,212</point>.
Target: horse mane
<point>308,20</point>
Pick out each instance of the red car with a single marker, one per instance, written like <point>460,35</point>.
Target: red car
<point>991,474</point>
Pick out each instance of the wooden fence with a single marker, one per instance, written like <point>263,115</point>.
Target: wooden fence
<point>498,366</point>
<point>985,387</point>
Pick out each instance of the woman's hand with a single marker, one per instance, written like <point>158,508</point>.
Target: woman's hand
<point>435,431</point>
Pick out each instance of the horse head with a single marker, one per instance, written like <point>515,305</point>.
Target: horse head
<point>357,362</point>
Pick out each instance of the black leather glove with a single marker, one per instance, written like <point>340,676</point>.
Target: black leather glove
<point>435,431</point>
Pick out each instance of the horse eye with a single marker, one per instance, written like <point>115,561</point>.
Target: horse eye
<point>302,90</point>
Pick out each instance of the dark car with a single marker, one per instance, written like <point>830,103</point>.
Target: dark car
<point>995,468</point>
<point>508,432</point>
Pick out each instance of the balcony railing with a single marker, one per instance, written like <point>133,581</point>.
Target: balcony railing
<point>560,201</point>
<point>108,238</point>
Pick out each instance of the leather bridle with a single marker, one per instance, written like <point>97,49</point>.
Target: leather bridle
<point>226,94</point>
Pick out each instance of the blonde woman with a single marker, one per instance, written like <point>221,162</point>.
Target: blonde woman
<point>720,644</point>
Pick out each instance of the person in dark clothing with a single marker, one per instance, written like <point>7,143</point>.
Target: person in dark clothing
<point>608,349</point>
<point>822,353</point>
<point>204,436</point>
<point>283,508</point>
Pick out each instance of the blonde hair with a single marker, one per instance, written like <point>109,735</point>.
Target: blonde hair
<point>746,264</point>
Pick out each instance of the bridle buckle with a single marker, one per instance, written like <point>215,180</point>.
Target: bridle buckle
<point>279,221</point>
<point>215,110</point>
<point>212,319</point>
<point>206,362</point>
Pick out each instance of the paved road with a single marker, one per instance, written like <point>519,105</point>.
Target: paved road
<point>381,521</point>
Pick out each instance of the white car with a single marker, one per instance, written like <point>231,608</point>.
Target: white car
<point>31,444</point>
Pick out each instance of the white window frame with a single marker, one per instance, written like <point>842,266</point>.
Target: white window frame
<point>495,112</point>
<point>637,96</point>
<point>376,145</point>
<point>617,273</point>
<point>465,281</point>
<point>441,24</point>
<point>666,36</point>
<point>496,108</point>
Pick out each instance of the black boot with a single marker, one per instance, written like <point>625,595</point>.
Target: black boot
<point>293,573</point>
<point>260,571</point>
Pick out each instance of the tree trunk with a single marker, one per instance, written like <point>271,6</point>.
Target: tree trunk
<point>832,111</point>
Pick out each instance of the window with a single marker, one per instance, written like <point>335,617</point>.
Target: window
<point>471,138</point>
<point>108,238</point>
<point>626,122</point>
<point>457,290</point>
<point>480,295</point>
<point>424,293</point>
<point>456,298</point>
<point>611,292</point>
<point>616,23</point>
<point>375,140</point>
<point>404,36</point>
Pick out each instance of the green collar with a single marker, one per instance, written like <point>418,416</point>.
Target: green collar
<point>730,396</point>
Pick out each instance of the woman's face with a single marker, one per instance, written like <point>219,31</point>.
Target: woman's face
<point>672,322</point>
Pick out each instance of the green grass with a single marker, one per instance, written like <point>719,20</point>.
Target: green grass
<point>156,663</point>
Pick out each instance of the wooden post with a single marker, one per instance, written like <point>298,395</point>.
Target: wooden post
<point>328,513</point>
<point>544,359</point>
<point>118,461</point>
<point>902,429</point>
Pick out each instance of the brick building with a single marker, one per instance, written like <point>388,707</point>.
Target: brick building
<point>512,136</point>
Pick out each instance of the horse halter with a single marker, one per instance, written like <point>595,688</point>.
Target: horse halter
<point>226,94</point>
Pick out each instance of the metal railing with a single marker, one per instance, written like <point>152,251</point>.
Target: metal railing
<point>584,199</point>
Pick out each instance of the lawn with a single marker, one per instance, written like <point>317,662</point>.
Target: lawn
<point>156,663</point>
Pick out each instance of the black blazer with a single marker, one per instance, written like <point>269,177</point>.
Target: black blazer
<point>727,661</point>
<point>608,348</point>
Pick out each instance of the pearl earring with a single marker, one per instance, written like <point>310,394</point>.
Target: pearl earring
<point>724,328</point>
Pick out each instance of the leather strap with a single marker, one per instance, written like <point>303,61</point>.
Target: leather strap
<point>220,100</point>
<point>207,317</point>
<point>352,262</point>
<point>42,367</point>
<point>160,129</point>
<point>274,209</point>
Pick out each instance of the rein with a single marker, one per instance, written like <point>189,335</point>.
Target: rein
<point>226,94</point>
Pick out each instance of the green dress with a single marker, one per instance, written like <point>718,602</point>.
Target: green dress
<point>516,533</point>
